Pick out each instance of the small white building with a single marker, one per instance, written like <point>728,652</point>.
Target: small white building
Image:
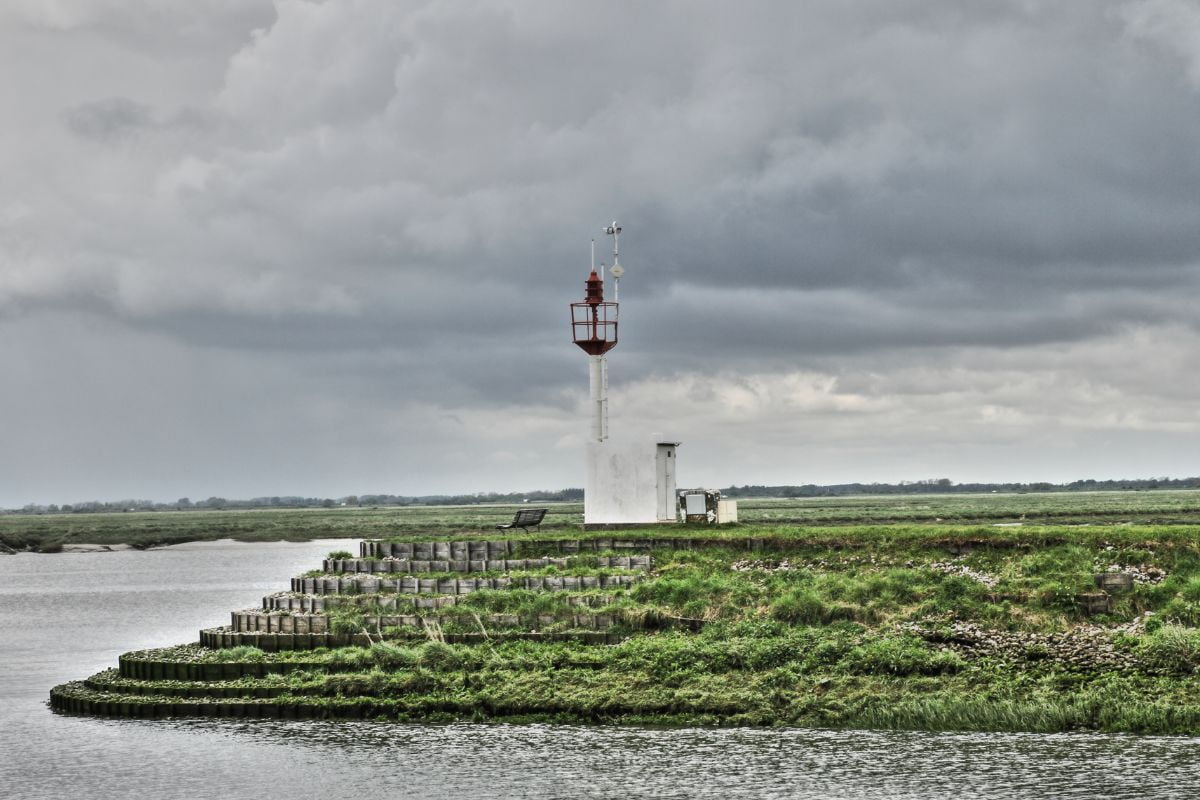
<point>630,483</point>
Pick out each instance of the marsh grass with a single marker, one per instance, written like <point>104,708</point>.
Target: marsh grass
<point>806,625</point>
<point>1107,512</point>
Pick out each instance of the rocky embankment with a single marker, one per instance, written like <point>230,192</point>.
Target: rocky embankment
<point>1084,647</point>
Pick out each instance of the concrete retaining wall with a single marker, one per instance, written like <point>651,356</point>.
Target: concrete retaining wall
<point>309,604</point>
<point>74,698</point>
<point>392,564</point>
<point>501,548</point>
<point>196,689</point>
<point>222,638</point>
<point>263,622</point>
<point>267,622</point>
<point>151,669</point>
<point>362,584</point>
<point>476,550</point>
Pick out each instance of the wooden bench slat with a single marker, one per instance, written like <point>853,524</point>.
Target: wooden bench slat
<point>526,518</point>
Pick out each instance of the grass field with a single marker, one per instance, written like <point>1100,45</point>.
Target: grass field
<point>49,532</point>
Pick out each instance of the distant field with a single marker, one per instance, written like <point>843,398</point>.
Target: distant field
<point>1158,507</point>
<point>49,532</point>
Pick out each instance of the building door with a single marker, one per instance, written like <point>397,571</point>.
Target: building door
<point>665,474</point>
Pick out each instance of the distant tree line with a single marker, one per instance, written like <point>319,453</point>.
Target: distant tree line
<point>293,501</point>
<point>927,486</point>
<point>947,486</point>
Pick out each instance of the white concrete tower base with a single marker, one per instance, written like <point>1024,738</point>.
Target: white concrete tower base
<point>598,381</point>
<point>630,483</point>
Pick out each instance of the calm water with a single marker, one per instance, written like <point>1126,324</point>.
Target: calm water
<point>66,616</point>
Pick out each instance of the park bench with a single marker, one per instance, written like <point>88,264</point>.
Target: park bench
<point>525,519</point>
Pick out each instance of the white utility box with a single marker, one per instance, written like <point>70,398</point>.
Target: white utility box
<point>706,506</point>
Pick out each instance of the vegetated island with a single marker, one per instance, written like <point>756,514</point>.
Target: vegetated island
<point>939,626</point>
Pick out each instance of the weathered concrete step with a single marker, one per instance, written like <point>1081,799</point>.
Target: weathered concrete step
<point>263,622</point>
<point>369,584</point>
<point>136,666</point>
<point>304,603</point>
<point>391,564</point>
<point>278,622</point>
<point>271,642</point>
<point>78,698</point>
<point>473,550</point>
<point>485,549</point>
<point>1114,581</point>
<point>198,689</point>
<point>75,698</point>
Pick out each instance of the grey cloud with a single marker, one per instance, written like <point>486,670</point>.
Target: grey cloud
<point>400,197</point>
<point>108,120</point>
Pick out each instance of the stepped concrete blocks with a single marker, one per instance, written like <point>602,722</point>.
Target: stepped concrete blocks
<point>1114,581</point>
<point>1095,603</point>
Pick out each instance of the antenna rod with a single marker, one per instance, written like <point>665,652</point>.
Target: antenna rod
<point>614,230</point>
<point>593,254</point>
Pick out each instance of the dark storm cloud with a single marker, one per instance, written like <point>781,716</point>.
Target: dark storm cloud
<point>929,152</point>
<point>398,198</point>
<point>108,120</point>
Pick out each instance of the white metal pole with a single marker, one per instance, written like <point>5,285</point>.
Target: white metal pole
<point>598,381</point>
<point>604,397</point>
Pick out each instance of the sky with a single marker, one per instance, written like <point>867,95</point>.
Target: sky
<point>260,248</point>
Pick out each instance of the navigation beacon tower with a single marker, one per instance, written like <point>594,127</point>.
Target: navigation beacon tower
<point>627,483</point>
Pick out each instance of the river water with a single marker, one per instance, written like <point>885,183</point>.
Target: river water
<point>65,616</point>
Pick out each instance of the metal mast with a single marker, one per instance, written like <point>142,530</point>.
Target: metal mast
<point>594,329</point>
